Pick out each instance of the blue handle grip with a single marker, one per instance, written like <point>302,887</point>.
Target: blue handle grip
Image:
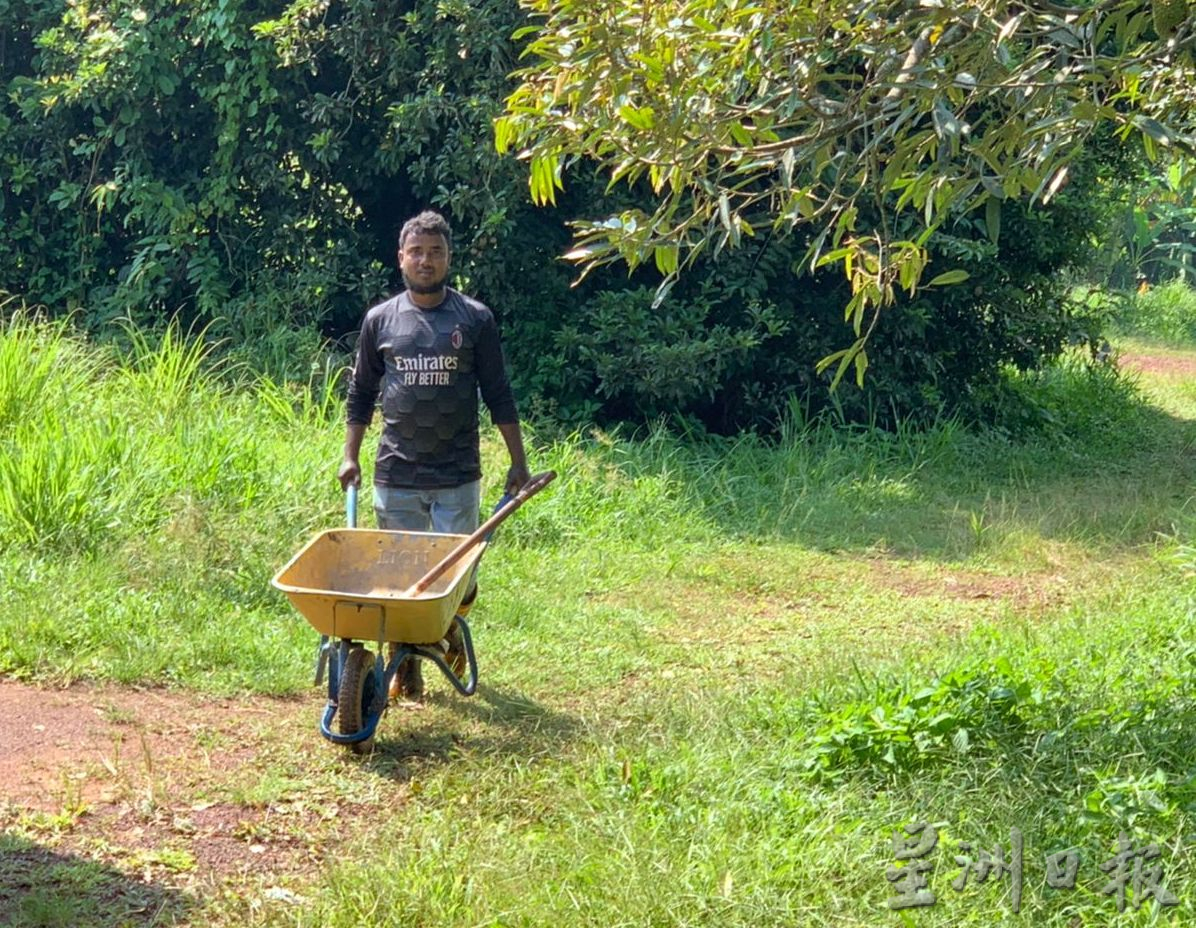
<point>351,505</point>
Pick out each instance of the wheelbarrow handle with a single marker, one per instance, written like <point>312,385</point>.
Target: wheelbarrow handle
<point>534,485</point>
<point>351,505</point>
<point>526,492</point>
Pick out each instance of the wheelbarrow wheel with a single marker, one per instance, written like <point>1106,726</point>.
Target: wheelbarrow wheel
<point>358,690</point>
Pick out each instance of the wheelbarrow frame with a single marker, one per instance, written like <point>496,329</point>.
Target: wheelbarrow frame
<point>333,656</point>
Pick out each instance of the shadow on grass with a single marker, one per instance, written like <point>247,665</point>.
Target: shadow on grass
<point>1114,475</point>
<point>41,888</point>
<point>513,724</point>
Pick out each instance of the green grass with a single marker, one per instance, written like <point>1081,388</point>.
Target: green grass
<point>1165,314</point>
<point>43,889</point>
<point>718,675</point>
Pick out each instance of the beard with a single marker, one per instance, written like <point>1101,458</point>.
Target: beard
<point>429,288</point>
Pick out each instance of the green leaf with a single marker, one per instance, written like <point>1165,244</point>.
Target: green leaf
<point>739,134</point>
<point>992,185</point>
<point>666,258</point>
<point>641,117</point>
<point>831,257</point>
<point>992,218</point>
<point>654,66</point>
<point>1153,128</point>
<point>504,134</point>
<point>949,277</point>
<point>830,359</point>
<point>543,181</point>
<point>861,365</point>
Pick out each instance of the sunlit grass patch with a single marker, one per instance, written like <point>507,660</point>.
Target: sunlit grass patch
<point>704,802</point>
<point>1166,374</point>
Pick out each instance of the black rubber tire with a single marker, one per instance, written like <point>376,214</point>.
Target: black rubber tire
<point>357,693</point>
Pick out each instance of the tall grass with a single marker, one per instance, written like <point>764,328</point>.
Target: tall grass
<point>1165,313</point>
<point>42,367</point>
<point>161,494</point>
<point>100,452</point>
<point>180,475</point>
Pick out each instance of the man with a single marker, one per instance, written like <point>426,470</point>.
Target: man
<point>429,351</point>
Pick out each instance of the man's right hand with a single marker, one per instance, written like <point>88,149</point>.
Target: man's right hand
<point>349,474</point>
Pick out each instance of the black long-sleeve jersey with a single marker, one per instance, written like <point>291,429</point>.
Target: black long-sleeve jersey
<point>429,365</point>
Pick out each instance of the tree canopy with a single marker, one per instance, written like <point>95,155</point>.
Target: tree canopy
<point>249,159</point>
<point>245,165</point>
<point>750,117</point>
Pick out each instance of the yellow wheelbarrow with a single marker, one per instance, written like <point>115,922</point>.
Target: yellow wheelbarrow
<point>405,588</point>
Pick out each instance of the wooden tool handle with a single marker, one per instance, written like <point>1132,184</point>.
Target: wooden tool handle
<point>529,489</point>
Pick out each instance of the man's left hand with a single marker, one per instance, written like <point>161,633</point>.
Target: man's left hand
<point>517,476</point>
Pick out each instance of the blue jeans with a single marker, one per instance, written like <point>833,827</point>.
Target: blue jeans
<point>454,510</point>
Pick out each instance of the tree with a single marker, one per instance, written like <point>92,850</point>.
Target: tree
<point>243,159</point>
<point>751,117</point>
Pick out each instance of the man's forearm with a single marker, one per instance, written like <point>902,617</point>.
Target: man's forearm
<point>354,435</point>
<point>513,436</point>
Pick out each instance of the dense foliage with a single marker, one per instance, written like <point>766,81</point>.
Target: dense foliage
<point>239,158</point>
<point>1154,228</point>
<point>736,342</point>
<point>245,164</point>
<point>745,116</point>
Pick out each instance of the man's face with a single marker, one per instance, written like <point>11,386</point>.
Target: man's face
<point>424,261</point>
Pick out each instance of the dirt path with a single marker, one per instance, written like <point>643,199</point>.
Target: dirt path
<point>90,743</point>
<point>131,807</point>
<point>179,793</point>
<point>1161,365</point>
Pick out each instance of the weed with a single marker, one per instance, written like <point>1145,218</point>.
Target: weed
<point>118,715</point>
<point>906,728</point>
<point>270,787</point>
<point>176,860</point>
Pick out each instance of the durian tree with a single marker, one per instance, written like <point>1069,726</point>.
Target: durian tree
<point>755,117</point>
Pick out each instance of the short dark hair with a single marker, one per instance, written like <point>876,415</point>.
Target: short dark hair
<point>429,222</point>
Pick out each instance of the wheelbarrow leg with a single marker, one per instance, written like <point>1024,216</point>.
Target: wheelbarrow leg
<point>323,654</point>
<point>437,656</point>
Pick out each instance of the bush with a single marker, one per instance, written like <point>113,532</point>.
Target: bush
<point>737,339</point>
<point>240,160</point>
<point>902,730</point>
<point>245,165</point>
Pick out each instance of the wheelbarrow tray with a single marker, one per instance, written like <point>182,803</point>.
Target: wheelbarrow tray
<point>351,583</point>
